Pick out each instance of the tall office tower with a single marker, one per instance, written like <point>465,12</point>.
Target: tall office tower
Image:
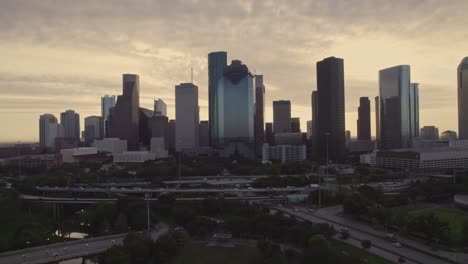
<point>314,137</point>
<point>144,126</point>
<point>295,125</point>
<point>462,81</point>
<point>347,136</point>
<point>54,130</point>
<point>71,124</point>
<point>171,136</point>
<point>94,128</point>
<point>235,106</point>
<point>363,122</point>
<point>159,128</point>
<point>259,129</point>
<point>281,116</point>
<point>107,102</point>
<point>309,129</point>
<point>414,110</point>
<point>187,116</point>
<point>217,61</point>
<point>429,133</point>
<point>377,118</point>
<point>44,121</point>
<point>331,111</point>
<point>269,137</point>
<point>203,129</point>
<point>448,135</point>
<point>160,107</point>
<point>398,104</point>
<point>124,121</point>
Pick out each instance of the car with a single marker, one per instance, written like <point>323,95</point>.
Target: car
<point>391,236</point>
<point>311,210</point>
<point>205,179</point>
<point>296,210</point>
<point>396,244</point>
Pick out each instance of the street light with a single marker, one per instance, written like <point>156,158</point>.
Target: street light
<point>178,166</point>
<point>147,196</point>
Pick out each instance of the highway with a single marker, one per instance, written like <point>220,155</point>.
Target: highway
<point>383,247</point>
<point>68,250</point>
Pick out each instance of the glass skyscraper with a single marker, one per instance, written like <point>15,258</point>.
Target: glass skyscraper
<point>217,61</point>
<point>399,108</point>
<point>462,79</point>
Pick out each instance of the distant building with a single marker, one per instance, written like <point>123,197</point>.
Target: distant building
<point>124,119</point>
<point>369,159</point>
<point>462,83</point>
<point>309,129</point>
<point>134,157</point>
<point>363,122</point>
<point>281,116</point>
<point>289,139</point>
<point>66,143</point>
<point>295,125</point>
<point>73,155</point>
<point>171,133</point>
<point>94,128</point>
<point>283,153</point>
<point>377,118</point>
<point>269,136</point>
<point>107,102</point>
<point>111,145</point>
<point>331,109</point>
<point>54,130</point>
<point>217,61</point>
<point>158,147</point>
<point>204,134</point>
<point>159,127</point>
<point>71,124</point>
<point>347,136</point>
<point>429,133</point>
<point>187,116</point>
<point>360,146</point>
<point>160,107</point>
<point>423,144</point>
<point>259,119</point>
<point>448,135</point>
<point>314,132</point>
<point>144,126</point>
<point>44,161</point>
<point>44,121</point>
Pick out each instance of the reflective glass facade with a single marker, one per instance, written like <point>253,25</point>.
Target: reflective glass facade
<point>462,78</point>
<point>217,61</point>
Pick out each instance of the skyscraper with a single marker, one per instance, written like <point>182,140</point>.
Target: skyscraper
<point>363,122</point>
<point>159,128</point>
<point>44,121</point>
<point>314,132</point>
<point>187,116</point>
<point>204,134</point>
<point>282,116</point>
<point>269,138</point>
<point>399,108</point>
<point>94,128</point>
<point>331,111</point>
<point>235,106</point>
<point>259,114</point>
<point>295,125</point>
<point>160,107</point>
<point>107,102</point>
<point>429,133</point>
<point>171,134</point>
<point>71,124</point>
<point>309,129</point>
<point>217,61</point>
<point>462,81</point>
<point>377,118</point>
<point>144,126</point>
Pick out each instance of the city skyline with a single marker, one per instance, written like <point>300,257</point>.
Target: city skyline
<point>164,60</point>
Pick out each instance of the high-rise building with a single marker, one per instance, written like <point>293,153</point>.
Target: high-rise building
<point>124,118</point>
<point>448,135</point>
<point>314,134</point>
<point>331,111</point>
<point>235,106</point>
<point>399,108</point>
<point>71,124</point>
<point>159,128</point>
<point>282,116</point>
<point>44,121</point>
<point>309,129</point>
<point>259,126</point>
<point>160,107</point>
<point>144,126</point>
<point>171,136</point>
<point>203,129</point>
<point>377,118</point>
<point>269,137</point>
<point>94,128</point>
<point>462,82</point>
<point>217,61</point>
<point>295,125</point>
<point>363,122</point>
<point>429,133</point>
<point>107,102</point>
<point>54,130</point>
<point>187,116</point>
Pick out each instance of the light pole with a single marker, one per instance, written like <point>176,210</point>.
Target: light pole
<point>147,196</point>
<point>178,166</point>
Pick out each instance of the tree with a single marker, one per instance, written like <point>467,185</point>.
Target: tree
<point>344,234</point>
<point>366,244</point>
<point>165,248</point>
<point>318,246</point>
<point>120,224</point>
<point>115,255</point>
<point>138,245</point>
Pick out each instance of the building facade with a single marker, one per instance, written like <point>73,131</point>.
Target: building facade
<point>259,119</point>
<point>124,119</point>
<point>187,116</point>
<point>160,107</point>
<point>44,121</point>
<point>71,124</point>
<point>295,125</point>
<point>462,94</point>
<point>204,134</point>
<point>448,135</point>
<point>363,122</point>
<point>284,153</point>
<point>377,118</point>
<point>107,102</point>
<point>429,133</point>
<point>111,145</point>
<point>281,116</point>
<point>217,61</point>
<point>94,128</point>
<point>331,109</point>
<point>269,136</point>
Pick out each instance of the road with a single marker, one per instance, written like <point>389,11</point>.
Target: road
<point>68,250</point>
<point>380,246</point>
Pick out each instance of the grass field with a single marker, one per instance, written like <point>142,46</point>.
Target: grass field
<point>199,254</point>
<point>359,253</point>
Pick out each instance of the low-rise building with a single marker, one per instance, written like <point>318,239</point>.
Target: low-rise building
<point>74,154</point>
<point>284,153</point>
<point>111,145</point>
<point>45,161</point>
<point>158,147</point>
<point>369,159</point>
<point>361,146</point>
<point>134,157</point>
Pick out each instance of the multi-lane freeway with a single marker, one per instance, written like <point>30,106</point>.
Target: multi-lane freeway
<point>69,250</point>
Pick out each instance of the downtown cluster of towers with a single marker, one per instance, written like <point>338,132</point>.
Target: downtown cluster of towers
<point>236,114</point>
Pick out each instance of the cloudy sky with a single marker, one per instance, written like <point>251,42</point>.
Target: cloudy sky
<point>58,55</point>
